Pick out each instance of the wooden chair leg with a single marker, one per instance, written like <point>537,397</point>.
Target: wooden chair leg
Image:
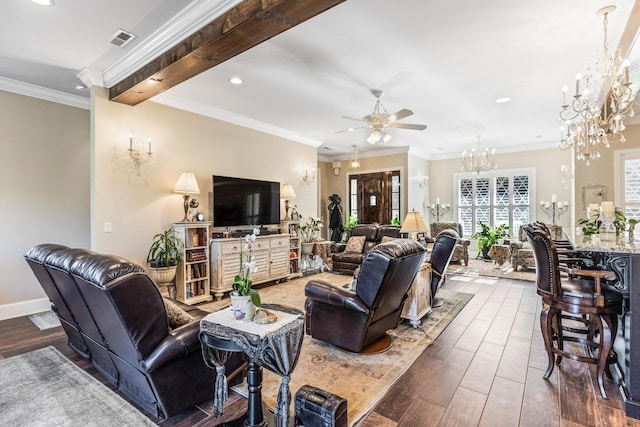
<point>557,322</point>
<point>547,335</point>
<point>612,358</point>
<point>603,349</point>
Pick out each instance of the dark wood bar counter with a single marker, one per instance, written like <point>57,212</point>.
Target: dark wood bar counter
<point>624,261</point>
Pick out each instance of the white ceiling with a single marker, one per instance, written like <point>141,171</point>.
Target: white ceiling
<point>448,61</point>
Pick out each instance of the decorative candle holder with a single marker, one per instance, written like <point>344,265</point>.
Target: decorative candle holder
<point>438,209</point>
<point>554,209</point>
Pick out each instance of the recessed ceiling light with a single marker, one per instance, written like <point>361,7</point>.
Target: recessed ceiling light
<point>503,100</point>
<point>80,86</point>
<point>235,80</point>
<point>44,2</point>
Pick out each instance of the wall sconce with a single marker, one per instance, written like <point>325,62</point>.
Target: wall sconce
<point>309,177</point>
<point>422,181</point>
<point>336,168</point>
<point>137,155</point>
<point>186,185</point>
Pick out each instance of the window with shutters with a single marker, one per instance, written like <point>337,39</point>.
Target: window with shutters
<point>494,198</point>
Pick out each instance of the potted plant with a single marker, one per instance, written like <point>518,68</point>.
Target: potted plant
<point>351,222</point>
<point>164,255</point>
<point>591,226</point>
<point>309,233</point>
<point>244,299</point>
<point>489,236</point>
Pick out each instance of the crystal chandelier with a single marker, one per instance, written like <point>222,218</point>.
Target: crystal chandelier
<point>478,159</point>
<point>591,123</point>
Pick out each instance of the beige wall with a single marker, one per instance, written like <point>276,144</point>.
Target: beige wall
<point>547,164</point>
<point>140,206</point>
<point>44,167</point>
<point>601,171</point>
<point>339,184</point>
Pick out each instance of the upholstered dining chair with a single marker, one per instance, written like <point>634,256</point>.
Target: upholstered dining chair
<point>441,255</point>
<point>583,295</point>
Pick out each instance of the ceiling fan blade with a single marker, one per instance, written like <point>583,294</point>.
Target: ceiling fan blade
<point>400,115</point>
<point>351,129</point>
<point>351,118</point>
<point>407,126</point>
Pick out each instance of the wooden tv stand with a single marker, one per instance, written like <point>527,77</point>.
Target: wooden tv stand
<point>270,252</point>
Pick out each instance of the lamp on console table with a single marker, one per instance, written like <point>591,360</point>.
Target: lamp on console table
<point>287,193</point>
<point>186,185</point>
<point>413,222</point>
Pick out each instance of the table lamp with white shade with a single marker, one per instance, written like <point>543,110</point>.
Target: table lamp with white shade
<point>186,185</point>
<point>413,222</point>
<point>287,193</point>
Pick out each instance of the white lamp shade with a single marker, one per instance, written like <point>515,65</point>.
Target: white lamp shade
<point>187,184</point>
<point>413,222</point>
<point>286,192</point>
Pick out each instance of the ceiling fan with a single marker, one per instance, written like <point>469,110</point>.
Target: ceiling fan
<point>379,120</point>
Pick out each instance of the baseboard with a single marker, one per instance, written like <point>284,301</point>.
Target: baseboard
<point>24,308</point>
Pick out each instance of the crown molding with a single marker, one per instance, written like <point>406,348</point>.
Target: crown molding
<point>188,21</point>
<point>227,116</point>
<point>46,94</point>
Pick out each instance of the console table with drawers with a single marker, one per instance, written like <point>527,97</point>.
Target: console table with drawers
<point>270,253</point>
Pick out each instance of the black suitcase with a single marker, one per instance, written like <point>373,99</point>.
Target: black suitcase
<point>318,408</point>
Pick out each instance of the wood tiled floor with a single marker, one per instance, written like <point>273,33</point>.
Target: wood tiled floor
<point>485,369</point>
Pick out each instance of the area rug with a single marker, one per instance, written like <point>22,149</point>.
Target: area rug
<point>361,379</point>
<point>479,267</point>
<point>44,388</point>
<point>45,320</point>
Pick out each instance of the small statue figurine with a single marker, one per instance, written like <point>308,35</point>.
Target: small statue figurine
<point>335,218</point>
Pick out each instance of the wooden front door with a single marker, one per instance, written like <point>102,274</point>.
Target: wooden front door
<point>377,196</point>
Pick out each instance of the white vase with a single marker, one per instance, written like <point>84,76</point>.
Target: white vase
<point>242,307</point>
<point>307,248</point>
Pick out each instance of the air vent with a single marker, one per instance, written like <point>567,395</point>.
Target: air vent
<point>121,38</point>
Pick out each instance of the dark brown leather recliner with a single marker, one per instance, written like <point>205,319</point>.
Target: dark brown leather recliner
<point>355,319</point>
<point>115,316</point>
<point>348,262</point>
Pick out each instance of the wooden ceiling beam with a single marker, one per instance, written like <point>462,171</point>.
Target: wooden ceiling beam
<point>242,27</point>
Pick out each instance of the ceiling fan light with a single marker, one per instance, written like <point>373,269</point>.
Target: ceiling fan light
<point>386,137</point>
<point>375,136</point>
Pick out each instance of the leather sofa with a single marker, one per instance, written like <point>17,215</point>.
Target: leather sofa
<point>461,250</point>
<point>114,315</point>
<point>348,262</point>
<point>353,320</point>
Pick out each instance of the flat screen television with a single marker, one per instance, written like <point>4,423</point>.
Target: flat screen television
<point>239,201</point>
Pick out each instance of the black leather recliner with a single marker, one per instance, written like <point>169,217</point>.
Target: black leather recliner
<point>441,255</point>
<point>355,319</point>
<point>114,315</point>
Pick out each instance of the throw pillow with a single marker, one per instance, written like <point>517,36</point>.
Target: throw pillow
<point>176,316</point>
<point>355,244</point>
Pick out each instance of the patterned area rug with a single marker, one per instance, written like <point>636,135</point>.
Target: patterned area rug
<point>479,267</point>
<point>44,388</point>
<point>45,320</point>
<point>361,379</point>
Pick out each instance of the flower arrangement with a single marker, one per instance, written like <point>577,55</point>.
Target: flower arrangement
<point>310,231</point>
<point>242,282</point>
